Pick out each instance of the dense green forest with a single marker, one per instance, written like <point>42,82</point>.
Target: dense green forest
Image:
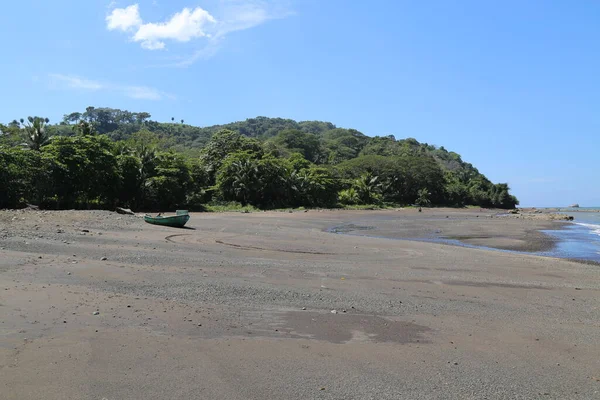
<point>104,157</point>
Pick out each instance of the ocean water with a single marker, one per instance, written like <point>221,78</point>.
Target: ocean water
<point>580,240</point>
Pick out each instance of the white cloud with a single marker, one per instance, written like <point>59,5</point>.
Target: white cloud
<point>197,23</point>
<point>143,93</point>
<point>203,53</point>
<point>153,45</point>
<point>182,27</point>
<point>124,19</point>
<point>75,82</point>
<point>237,16</point>
<point>61,81</point>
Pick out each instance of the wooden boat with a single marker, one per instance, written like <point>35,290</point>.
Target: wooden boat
<point>177,221</point>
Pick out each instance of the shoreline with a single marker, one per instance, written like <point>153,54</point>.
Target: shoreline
<point>544,240</point>
<point>519,233</point>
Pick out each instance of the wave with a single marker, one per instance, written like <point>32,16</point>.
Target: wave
<point>594,228</point>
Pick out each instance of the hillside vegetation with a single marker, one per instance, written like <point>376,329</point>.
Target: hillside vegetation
<point>105,157</point>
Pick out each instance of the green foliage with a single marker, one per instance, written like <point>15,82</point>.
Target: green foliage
<point>84,170</point>
<point>131,180</point>
<point>222,144</point>
<point>199,191</point>
<point>295,141</point>
<point>367,188</point>
<point>423,196</point>
<point>85,128</point>
<point>229,207</point>
<point>104,156</point>
<point>168,186</point>
<point>343,144</point>
<point>11,135</point>
<point>36,132</point>
<point>349,197</point>
<point>298,162</point>
<point>24,177</point>
<point>312,187</point>
<point>250,180</point>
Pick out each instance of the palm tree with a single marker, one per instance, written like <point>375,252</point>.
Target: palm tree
<point>367,188</point>
<point>245,180</point>
<point>423,198</point>
<point>147,156</point>
<point>36,132</point>
<point>348,196</point>
<point>181,122</point>
<point>172,119</point>
<point>84,128</point>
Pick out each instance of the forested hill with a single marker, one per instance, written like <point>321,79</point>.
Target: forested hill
<point>265,162</point>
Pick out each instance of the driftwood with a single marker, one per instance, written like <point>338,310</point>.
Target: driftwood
<point>125,211</point>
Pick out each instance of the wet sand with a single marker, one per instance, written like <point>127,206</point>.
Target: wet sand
<point>486,228</point>
<point>95,305</point>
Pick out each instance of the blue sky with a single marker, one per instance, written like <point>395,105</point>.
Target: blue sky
<point>512,86</point>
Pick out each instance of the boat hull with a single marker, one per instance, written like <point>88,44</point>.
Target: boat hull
<point>176,221</point>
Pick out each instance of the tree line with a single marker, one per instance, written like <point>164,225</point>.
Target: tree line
<point>103,157</point>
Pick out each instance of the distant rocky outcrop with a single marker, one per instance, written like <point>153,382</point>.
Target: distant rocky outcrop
<point>574,205</point>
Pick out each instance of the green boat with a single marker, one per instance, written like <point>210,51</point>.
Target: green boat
<point>176,221</point>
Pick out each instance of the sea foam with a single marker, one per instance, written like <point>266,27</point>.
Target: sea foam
<point>594,228</point>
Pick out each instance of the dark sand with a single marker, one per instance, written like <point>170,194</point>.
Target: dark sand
<point>240,307</point>
<point>478,228</point>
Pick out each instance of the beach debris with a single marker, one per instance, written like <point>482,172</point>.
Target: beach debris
<point>334,311</point>
<point>96,313</point>
<point>59,231</point>
<point>303,308</point>
<point>577,288</point>
<point>103,259</point>
<point>85,230</point>
<point>125,211</point>
<point>68,273</point>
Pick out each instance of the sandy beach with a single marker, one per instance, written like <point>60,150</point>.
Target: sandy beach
<point>302,305</point>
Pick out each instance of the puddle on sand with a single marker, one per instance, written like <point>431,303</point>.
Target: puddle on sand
<point>347,228</point>
<point>343,328</point>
